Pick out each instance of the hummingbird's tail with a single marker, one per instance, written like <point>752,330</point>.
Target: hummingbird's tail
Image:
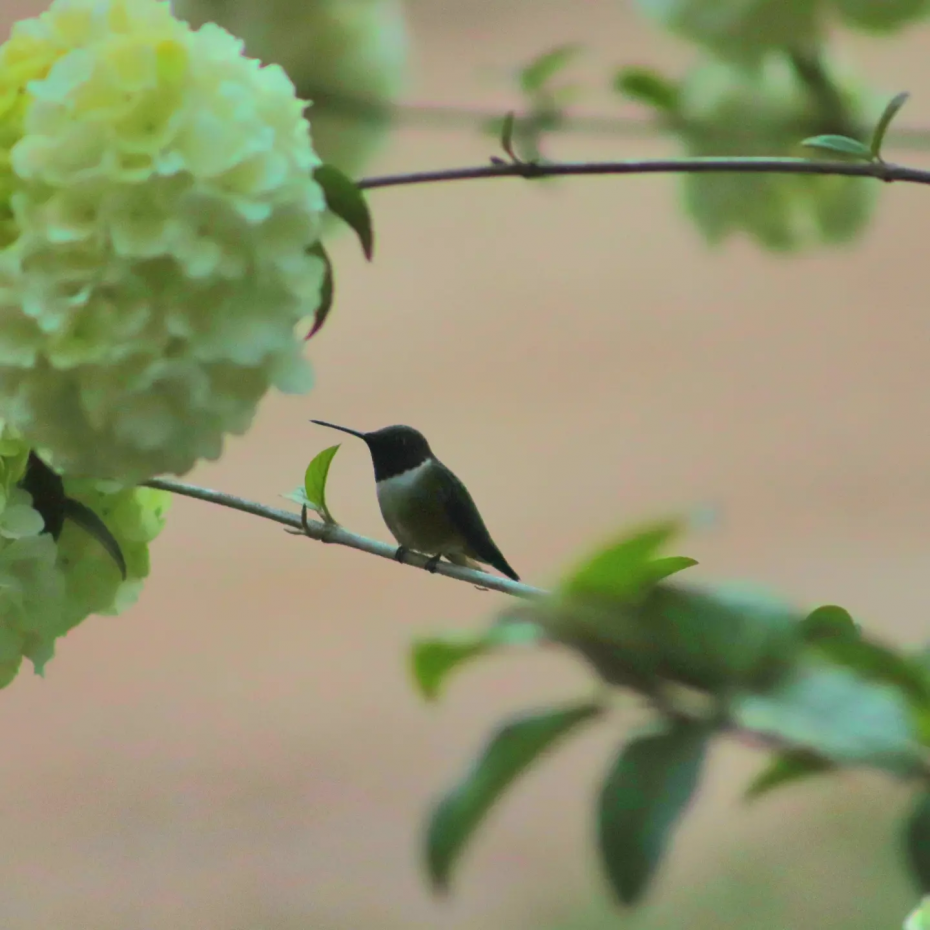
<point>500,563</point>
<point>495,560</point>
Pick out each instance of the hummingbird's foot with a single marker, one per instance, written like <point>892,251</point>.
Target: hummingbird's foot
<point>432,563</point>
<point>401,554</point>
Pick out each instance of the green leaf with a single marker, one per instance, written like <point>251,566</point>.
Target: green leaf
<point>506,135</point>
<point>659,569</point>
<point>624,568</point>
<point>919,919</point>
<point>890,112</point>
<point>434,659</point>
<point>326,291</point>
<point>827,622</point>
<point>81,515</point>
<point>541,70</point>
<point>880,17</point>
<point>647,86</point>
<point>347,201</point>
<point>298,496</point>
<point>917,842</point>
<point>875,662</point>
<point>835,714</point>
<point>509,753</point>
<point>840,145</point>
<point>712,640</point>
<point>644,795</point>
<point>784,768</point>
<point>315,482</point>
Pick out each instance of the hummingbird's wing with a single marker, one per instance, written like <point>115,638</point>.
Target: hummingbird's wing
<point>464,515</point>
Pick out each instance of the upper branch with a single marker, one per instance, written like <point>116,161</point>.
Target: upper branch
<point>881,171</point>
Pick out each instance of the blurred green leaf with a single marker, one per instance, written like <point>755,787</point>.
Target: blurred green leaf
<point>644,795</point>
<point>732,635</point>
<point>541,70</point>
<point>647,86</point>
<point>835,714</point>
<point>660,569</point>
<point>785,768</point>
<point>827,622</point>
<point>888,114</point>
<point>919,919</point>
<point>315,482</point>
<point>327,290</point>
<point>510,751</point>
<point>434,659</point>
<point>917,842</point>
<point>624,568</point>
<point>716,639</point>
<point>712,640</point>
<point>881,16</point>
<point>875,662</point>
<point>839,145</point>
<point>344,198</point>
<point>506,135</point>
<point>745,32</point>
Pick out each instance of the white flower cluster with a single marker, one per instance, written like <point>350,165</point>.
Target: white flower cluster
<point>157,204</point>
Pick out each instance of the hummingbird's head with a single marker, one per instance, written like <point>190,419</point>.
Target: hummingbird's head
<point>394,449</point>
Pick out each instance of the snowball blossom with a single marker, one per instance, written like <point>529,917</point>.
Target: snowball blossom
<point>348,56</point>
<point>157,204</point>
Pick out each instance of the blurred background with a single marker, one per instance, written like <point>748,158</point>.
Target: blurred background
<point>244,751</point>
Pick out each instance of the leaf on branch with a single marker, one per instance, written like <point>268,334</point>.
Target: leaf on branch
<point>507,135</point>
<point>917,842</point>
<point>327,290</point>
<point>344,198</point>
<point>827,622</point>
<point>541,70</point>
<point>433,660</point>
<point>919,919</point>
<point>647,86</point>
<point>49,499</point>
<point>641,801</point>
<point>786,768</point>
<point>315,482</point>
<point>891,110</point>
<point>81,515</point>
<point>624,568</point>
<point>509,753</point>
<point>840,145</point>
<point>878,663</point>
<point>835,714</point>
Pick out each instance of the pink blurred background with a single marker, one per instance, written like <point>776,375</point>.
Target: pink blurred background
<point>244,751</point>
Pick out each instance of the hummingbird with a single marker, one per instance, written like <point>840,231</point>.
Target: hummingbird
<point>425,506</point>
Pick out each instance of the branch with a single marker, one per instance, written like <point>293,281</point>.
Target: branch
<point>333,533</point>
<point>881,171</point>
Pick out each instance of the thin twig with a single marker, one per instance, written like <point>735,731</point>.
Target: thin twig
<point>333,533</point>
<point>882,171</point>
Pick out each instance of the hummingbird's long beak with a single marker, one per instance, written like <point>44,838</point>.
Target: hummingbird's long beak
<point>343,429</point>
